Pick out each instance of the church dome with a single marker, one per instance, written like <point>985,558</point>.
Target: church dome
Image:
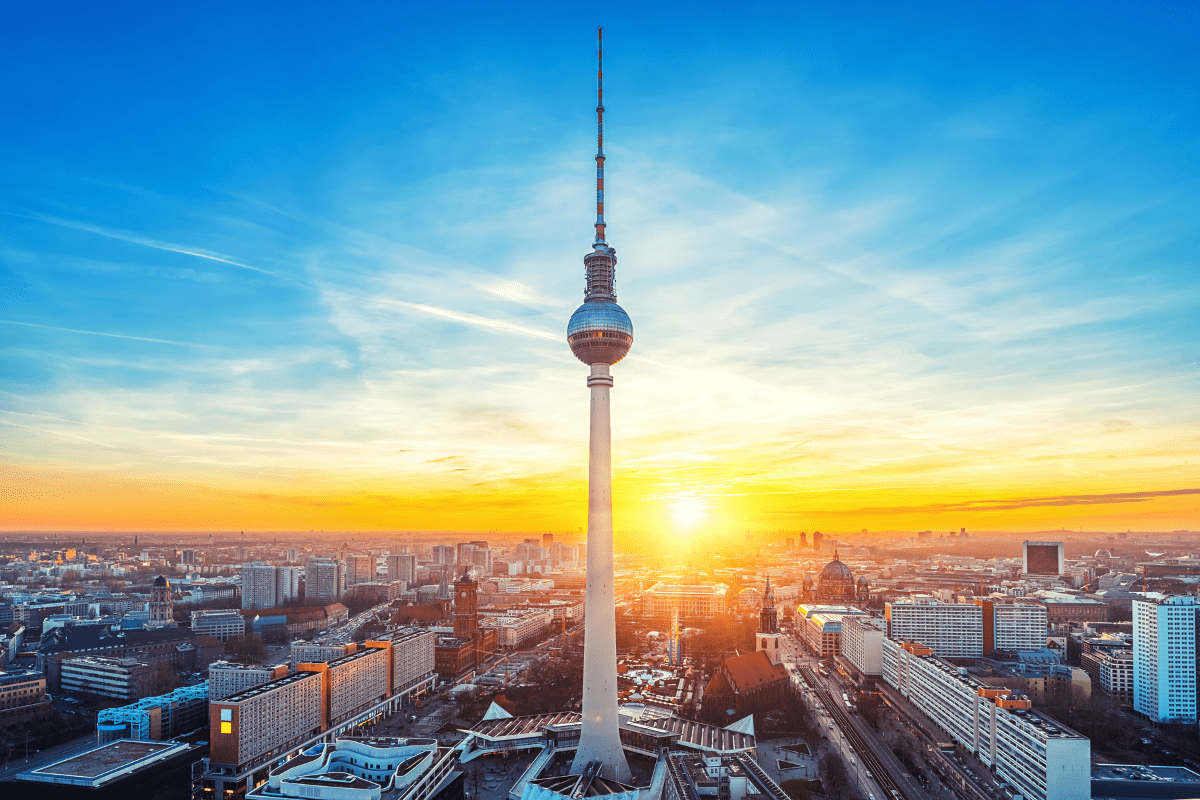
<point>837,571</point>
<point>160,581</point>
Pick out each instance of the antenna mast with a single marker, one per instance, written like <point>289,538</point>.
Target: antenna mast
<point>600,135</point>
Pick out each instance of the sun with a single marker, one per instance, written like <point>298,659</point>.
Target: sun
<point>688,510</point>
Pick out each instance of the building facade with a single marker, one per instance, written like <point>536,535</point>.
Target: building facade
<point>218,623</point>
<point>689,600</point>
<point>161,608</point>
<point>862,643</point>
<point>226,679</point>
<point>951,630</point>
<point>258,586</point>
<point>1040,758</point>
<point>118,678</point>
<point>324,580</point>
<point>1164,658</point>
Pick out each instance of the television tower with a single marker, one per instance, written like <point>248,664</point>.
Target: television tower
<point>600,334</point>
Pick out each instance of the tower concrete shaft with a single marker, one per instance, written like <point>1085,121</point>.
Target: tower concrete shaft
<point>600,736</point>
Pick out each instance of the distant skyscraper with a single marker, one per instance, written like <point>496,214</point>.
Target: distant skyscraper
<point>258,585</point>
<point>292,554</point>
<point>443,554</point>
<point>600,334</point>
<point>547,540</point>
<point>818,537</point>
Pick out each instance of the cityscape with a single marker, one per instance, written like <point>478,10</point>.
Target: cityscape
<point>888,498</point>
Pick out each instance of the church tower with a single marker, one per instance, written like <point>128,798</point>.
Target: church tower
<point>161,609</point>
<point>466,605</point>
<point>768,639</point>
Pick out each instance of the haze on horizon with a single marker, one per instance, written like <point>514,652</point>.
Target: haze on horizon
<point>888,268</point>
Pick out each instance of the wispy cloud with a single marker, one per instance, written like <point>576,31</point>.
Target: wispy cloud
<point>102,333</point>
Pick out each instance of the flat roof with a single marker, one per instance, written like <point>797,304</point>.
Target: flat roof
<point>106,763</point>
<point>1138,772</point>
<point>266,687</point>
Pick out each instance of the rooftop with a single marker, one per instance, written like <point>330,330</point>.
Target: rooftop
<point>107,763</point>
<point>268,687</point>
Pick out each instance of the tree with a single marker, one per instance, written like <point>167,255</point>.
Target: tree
<point>248,649</point>
<point>833,775</point>
<point>159,679</point>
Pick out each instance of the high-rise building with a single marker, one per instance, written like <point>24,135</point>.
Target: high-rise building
<point>951,630</point>
<point>547,540</point>
<point>1042,558</point>
<point>359,569</point>
<point>402,567</point>
<point>803,539</point>
<point>287,584</point>
<point>818,538</point>
<point>258,585</point>
<point>324,580</point>
<point>443,554</point>
<point>1165,657</point>
<point>292,555</point>
<point>189,557</point>
<point>600,334</point>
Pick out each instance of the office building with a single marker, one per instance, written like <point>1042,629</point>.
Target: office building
<point>324,580</point>
<point>1042,558</point>
<point>20,688</point>
<point>443,554</point>
<point>862,643</point>
<point>118,678</point>
<point>291,555</point>
<point>687,600</point>
<point>1165,657</point>
<point>518,627</point>
<point>1040,758</point>
<point>226,679</point>
<point>218,623</point>
<point>258,585</point>
<point>951,630</point>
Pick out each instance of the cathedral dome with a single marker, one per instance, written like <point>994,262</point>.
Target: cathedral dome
<point>837,571</point>
<point>160,581</point>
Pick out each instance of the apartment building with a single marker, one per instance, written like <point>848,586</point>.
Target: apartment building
<point>225,678</point>
<point>1165,657</point>
<point>258,585</point>
<point>412,660</point>
<point>359,569</point>
<point>1109,662</point>
<point>354,682</point>
<point>951,630</point>
<point>402,567</point>
<point>321,653</point>
<point>1016,627</point>
<point>287,584</point>
<point>1040,758</point>
<point>250,727</point>
<point>862,643</point>
<point>324,580</point>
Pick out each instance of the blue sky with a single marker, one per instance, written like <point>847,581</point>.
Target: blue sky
<point>318,261</point>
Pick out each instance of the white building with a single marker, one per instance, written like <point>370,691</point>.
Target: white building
<point>324,580</point>
<point>1040,758</point>
<point>862,643</point>
<point>514,629</point>
<point>951,630</point>
<point>1164,658</point>
<point>1018,627</point>
<point>119,678</point>
<point>219,623</point>
<point>258,585</point>
<point>226,679</point>
<point>287,584</point>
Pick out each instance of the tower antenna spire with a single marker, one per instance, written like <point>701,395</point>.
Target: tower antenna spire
<point>600,135</point>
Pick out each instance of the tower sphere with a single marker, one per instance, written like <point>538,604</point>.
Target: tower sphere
<point>600,332</point>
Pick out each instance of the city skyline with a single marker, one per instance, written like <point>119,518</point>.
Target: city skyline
<point>892,270</point>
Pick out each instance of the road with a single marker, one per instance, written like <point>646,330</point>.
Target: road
<point>887,777</point>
